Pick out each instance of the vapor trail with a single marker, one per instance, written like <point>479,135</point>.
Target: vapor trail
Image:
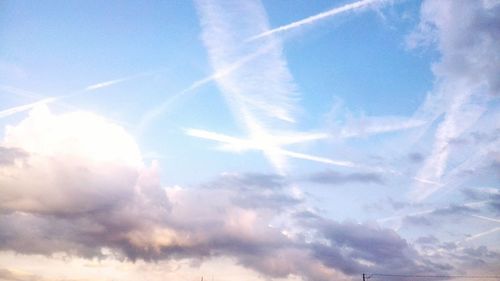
<point>493,230</point>
<point>489,231</point>
<point>312,19</point>
<point>116,81</point>
<point>21,92</point>
<point>154,113</point>
<point>486,218</point>
<point>21,108</point>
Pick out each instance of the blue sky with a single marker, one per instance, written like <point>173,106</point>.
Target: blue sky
<point>255,140</point>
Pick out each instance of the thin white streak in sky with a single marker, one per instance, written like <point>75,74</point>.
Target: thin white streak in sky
<point>373,127</point>
<point>426,181</point>
<point>262,94</point>
<point>486,218</point>
<point>312,19</point>
<point>159,110</point>
<point>21,108</point>
<point>104,84</point>
<point>473,237</point>
<point>317,159</point>
<point>117,81</point>
<point>24,93</point>
<point>490,231</point>
<point>269,144</point>
<point>156,112</point>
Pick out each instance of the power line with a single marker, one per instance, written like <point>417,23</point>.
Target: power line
<point>367,276</point>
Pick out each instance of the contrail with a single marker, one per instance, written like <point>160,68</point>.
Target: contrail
<point>93,87</point>
<point>21,108</point>
<point>238,144</point>
<point>493,230</point>
<point>152,114</point>
<point>486,218</point>
<point>312,19</point>
<point>105,84</point>
<point>116,81</point>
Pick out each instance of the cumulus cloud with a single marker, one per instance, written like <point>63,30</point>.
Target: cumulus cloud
<point>73,162</point>
<point>88,204</point>
<point>75,183</point>
<point>79,184</point>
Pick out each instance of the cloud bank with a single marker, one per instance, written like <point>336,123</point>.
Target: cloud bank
<point>83,190</point>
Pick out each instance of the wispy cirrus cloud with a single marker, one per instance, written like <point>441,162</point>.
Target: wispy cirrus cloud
<point>238,62</point>
<point>468,75</point>
<point>265,80</point>
<point>261,94</point>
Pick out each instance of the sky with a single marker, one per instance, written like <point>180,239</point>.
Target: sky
<point>249,140</point>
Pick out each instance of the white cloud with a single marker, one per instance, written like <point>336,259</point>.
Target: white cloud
<point>468,75</point>
<point>74,162</point>
<point>261,94</point>
<point>264,86</point>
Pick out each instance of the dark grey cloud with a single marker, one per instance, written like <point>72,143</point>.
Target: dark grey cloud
<point>333,178</point>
